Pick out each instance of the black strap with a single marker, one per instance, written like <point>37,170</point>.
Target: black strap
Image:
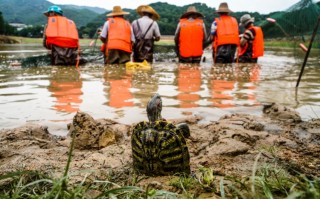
<point>147,29</point>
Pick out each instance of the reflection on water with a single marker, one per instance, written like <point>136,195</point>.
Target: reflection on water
<point>118,84</point>
<point>189,83</point>
<point>234,85</point>
<point>51,95</point>
<point>66,88</point>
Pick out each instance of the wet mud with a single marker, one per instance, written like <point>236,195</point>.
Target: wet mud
<point>229,146</point>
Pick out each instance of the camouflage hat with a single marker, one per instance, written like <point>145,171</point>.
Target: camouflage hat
<point>245,20</point>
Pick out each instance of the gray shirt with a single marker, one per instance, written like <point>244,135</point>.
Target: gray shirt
<point>144,23</point>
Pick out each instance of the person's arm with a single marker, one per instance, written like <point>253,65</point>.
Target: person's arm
<point>157,34</point>
<point>176,39</point>
<point>133,39</point>
<point>44,41</point>
<point>206,40</point>
<point>213,30</point>
<point>104,32</point>
<point>247,36</point>
<point>243,41</point>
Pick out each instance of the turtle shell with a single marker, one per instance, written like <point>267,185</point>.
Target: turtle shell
<point>159,148</point>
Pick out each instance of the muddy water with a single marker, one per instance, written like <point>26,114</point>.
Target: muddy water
<point>51,95</point>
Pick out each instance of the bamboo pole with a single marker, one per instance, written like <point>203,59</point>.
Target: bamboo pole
<point>308,52</point>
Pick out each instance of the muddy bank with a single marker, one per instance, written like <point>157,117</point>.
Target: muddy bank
<point>7,40</point>
<point>228,146</point>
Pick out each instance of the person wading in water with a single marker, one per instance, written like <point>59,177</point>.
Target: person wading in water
<point>61,37</point>
<point>146,31</point>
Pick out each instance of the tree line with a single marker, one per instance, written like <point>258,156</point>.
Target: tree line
<point>296,21</point>
<point>169,17</point>
<point>5,28</point>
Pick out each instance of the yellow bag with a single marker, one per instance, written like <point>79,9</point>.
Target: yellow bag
<point>138,65</point>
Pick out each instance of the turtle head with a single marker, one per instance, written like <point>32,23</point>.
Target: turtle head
<point>154,108</point>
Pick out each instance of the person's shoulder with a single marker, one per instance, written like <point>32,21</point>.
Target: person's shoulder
<point>252,30</point>
<point>249,33</point>
<point>249,30</point>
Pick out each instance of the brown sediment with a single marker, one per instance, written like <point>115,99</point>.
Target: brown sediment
<point>7,40</point>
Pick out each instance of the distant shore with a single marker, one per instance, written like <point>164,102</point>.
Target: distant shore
<point>165,40</point>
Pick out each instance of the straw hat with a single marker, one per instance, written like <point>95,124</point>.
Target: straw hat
<point>191,10</point>
<point>117,11</point>
<point>223,7</point>
<point>145,8</point>
<point>245,20</point>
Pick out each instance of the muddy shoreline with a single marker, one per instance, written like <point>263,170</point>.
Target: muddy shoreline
<point>229,146</point>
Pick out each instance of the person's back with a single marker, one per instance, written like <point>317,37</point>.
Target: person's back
<point>117,36</point>
<point>61,37</point>
<point>251,43</point>
<point>190,36</point>
<point>225,36</point>
<point>146,31</point>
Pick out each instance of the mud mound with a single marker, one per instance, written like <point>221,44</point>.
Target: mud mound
<point>281,113</point>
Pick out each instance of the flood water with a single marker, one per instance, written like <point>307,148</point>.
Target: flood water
<point>51,95</point>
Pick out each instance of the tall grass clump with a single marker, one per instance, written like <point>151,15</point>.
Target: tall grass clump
<point>272,181</point>
<point>33,184</point>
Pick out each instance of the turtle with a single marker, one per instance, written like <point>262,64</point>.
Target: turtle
<point>159,147</point>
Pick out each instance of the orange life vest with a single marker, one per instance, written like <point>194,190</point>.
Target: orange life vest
<point>191,38</point>
<point>61,32</point>
<point>119,34</point>
<point>227,31</point>
<point>257,44</point>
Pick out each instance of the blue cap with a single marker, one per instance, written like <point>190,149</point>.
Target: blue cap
<point>55,9</point>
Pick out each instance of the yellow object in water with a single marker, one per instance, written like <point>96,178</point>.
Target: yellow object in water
<point>138,65</point>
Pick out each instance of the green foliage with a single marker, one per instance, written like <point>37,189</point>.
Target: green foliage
<point>206,179</point>
<point>2,24</point>
<point>24,11</point>
<point>273,181</point>
<point>80,17</point>
<point>169,17</point>
<point>33,32</point>
<point>186,185</point>
<point>30,12</point>
<point>298,20</point>
<point>5,28</point>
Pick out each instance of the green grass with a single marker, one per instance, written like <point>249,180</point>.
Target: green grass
<point>268,181</point>
<point>32,184</point>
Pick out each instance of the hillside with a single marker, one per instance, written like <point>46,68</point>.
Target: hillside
<point>170,15</point>
<point>93,17</point>
<point>298,20</point>
<point>31,12</point>
<point>93,9</point>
